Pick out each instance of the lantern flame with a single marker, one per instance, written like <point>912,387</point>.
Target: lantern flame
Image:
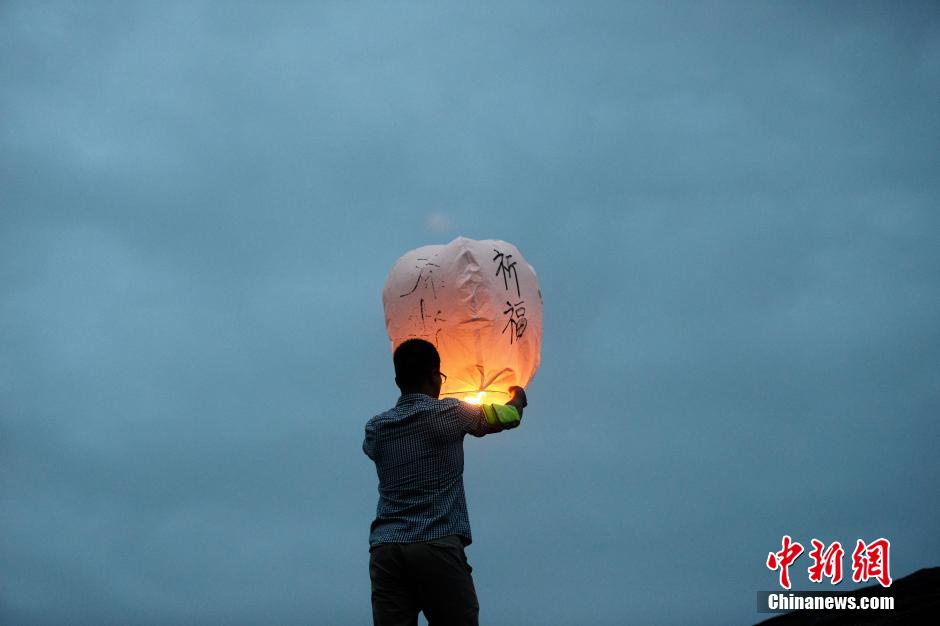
<point>475,399</point>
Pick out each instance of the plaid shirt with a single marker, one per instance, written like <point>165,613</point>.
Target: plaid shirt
<point>418,451</point>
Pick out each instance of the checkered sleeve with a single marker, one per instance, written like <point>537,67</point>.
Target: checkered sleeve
<point>368,444</point>
<point>484,419</point>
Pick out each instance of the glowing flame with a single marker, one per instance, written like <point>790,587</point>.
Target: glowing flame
<point>475,399</point>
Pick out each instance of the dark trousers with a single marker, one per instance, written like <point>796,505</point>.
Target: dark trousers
<point>430,576</point>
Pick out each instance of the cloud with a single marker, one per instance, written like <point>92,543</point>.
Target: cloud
<point>438,223</point>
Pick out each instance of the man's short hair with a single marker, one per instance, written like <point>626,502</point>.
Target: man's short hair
<point>414,359</point>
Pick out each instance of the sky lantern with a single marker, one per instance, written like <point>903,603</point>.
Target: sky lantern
<point>479,303</point>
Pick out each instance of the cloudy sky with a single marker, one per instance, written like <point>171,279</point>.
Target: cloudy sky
<point>732,207</point>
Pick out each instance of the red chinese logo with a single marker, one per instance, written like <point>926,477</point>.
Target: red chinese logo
<point>871,561</point>
<point>783,559</point>
<point>828,563</point>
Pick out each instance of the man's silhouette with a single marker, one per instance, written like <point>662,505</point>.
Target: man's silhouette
<point>417,560</point>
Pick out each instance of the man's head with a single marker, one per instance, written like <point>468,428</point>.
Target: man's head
<point>418,368</point>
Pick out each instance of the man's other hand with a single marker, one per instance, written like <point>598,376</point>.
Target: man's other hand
<point>518,398</point>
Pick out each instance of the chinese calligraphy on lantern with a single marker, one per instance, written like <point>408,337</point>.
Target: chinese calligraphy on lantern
<point>507,269</point>
<point>516,322</point>
<point>426,286</point>
<point>425,277</point>
<point>869,560</point>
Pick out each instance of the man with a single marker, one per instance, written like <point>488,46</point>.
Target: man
<point>417,560</point>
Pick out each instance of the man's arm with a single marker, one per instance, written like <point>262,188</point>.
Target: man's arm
<point>368,444</point>
<point>485,419</point>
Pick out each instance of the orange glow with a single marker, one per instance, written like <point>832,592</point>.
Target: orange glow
<point>475,399</point>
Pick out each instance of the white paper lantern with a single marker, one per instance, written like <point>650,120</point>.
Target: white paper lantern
<point>479,303</point>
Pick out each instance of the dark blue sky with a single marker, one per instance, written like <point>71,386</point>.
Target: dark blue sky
<point>732,208</point>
